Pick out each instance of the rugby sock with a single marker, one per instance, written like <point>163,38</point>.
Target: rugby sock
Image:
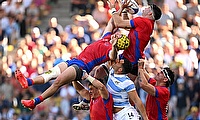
<point>30,81</point>
<point>38,100</point>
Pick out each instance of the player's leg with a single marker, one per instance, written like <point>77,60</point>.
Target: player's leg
<point>41,79</point>
<point>99,72</point>
<point>71,73</point>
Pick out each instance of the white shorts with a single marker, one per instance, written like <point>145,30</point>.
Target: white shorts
<point>127,113</point>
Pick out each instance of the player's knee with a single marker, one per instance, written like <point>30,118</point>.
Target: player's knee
<point>63,66</point>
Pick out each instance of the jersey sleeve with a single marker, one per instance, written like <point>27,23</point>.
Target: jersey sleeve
<point>152,81</point>
<point>129,86</point>
<point>107,100</point>
<point>136,22</point>
<point>162,93</point>
<point>107,35</point>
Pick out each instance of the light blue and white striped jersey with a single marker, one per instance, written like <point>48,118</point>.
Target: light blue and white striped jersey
<point>119,86</point>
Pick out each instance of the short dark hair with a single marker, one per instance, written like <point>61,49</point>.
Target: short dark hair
<point>127,66</point>
<point>170,75</point>
<point>156,11</point>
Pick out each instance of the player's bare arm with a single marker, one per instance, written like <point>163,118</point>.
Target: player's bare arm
<point>103,90</point>
<point>110,27</point>
<point>102,71</point>
<point>143,79</point>
<point>81,90</point>
<point>137,101</point>
<point>119,21</point>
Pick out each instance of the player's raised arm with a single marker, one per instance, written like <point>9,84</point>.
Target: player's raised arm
<point>137,101</point>
<point>81,89</point>
<point>118,20</point>
<point>144,77</point>
<point>110,27</point>
<point>103,90</point>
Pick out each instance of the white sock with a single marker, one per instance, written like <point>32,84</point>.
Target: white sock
<point>50,74</point>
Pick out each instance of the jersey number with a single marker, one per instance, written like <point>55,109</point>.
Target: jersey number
<point>130,115</point>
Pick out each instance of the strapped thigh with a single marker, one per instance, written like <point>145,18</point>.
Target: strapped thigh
<point>79,72</point>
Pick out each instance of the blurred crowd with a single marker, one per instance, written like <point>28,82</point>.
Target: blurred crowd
<point>175,42</point>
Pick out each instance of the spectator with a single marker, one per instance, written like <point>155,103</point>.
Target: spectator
<point>183,31</point>
<point>17,8</point>
<point>194,114</point>
<point>82,37</point>
<point>193,89</point>
<point>168,53</point>
<point>12,30</point>
<point>8,6</point>
<point>178,72</point>
<point>4,23</point>
<point>183,100</point>
<point>179,11</point>
<point>167,14</point>
<point>100,13</point>
<point>36,34</point>
<point>184,57</point>
<point>192,8</point>
<point>171,4</point>
<point>53,23</point>
<point>7,89</point>
<point>67,92</point>
<point>78,7</point>
<point>21,21</point>
<point>32,15</point>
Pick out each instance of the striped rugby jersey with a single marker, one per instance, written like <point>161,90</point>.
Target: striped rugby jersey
<point>119,86</point>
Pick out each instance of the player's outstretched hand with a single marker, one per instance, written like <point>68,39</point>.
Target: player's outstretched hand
<point>111,5</point>
<point>126,3</point>
<point>85,75</point>
<point>141,63</point>
<point>113,40</point>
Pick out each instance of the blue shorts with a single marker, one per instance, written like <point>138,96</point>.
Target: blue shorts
<point>79,63</point>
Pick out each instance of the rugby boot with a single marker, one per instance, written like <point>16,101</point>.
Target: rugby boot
<point>81,106</point>
<point>30,104</point>
<point>22,80</point>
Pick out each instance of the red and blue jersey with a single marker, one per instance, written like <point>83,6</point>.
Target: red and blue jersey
<point>156,106</point>
<point>96,111</point>
<point>94,54</point>
<point>139,36</point>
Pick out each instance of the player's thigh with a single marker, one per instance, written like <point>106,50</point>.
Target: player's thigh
<point>66,76</point>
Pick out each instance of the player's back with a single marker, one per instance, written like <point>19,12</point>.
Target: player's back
<point>96,53</point>
<point>139,37</point>
<point>119,86</point>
